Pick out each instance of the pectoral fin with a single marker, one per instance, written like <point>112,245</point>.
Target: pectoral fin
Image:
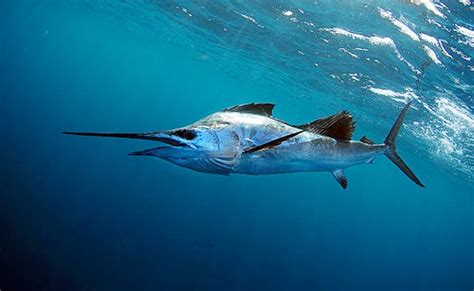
<point>340,177</point>
<point>272,143</point>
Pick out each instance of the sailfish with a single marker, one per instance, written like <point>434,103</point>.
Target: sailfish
<point>247,139</point>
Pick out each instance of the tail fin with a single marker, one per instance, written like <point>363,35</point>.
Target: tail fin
<point>391,152</point>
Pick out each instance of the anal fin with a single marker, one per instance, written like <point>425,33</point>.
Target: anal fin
<point>340,177</point>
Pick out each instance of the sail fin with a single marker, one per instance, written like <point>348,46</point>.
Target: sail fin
<point>338,126</point>
<point>264,109</point>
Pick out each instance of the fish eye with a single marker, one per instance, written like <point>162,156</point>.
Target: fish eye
<point>185,133</point>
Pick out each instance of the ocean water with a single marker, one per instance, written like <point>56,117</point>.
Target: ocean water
<point>80,214</point>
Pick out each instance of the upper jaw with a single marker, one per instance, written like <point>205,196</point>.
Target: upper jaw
<point>169,138</point>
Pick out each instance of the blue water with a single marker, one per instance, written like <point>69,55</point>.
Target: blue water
<point>79,214</point>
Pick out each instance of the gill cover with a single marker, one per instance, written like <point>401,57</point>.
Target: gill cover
<point>195,159</point>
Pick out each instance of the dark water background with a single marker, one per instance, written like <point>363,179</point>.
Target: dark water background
<point>79,214</point>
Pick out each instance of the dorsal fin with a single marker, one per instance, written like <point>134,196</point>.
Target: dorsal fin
<point>338,126</point>
<point>366,140</point>
<point>265,109</point>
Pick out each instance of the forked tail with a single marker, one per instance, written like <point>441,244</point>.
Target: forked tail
<point>391,151</point>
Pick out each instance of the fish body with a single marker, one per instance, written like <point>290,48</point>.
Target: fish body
<point>247,139</point>
<point>318,154</point>
<point>305,152</point>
